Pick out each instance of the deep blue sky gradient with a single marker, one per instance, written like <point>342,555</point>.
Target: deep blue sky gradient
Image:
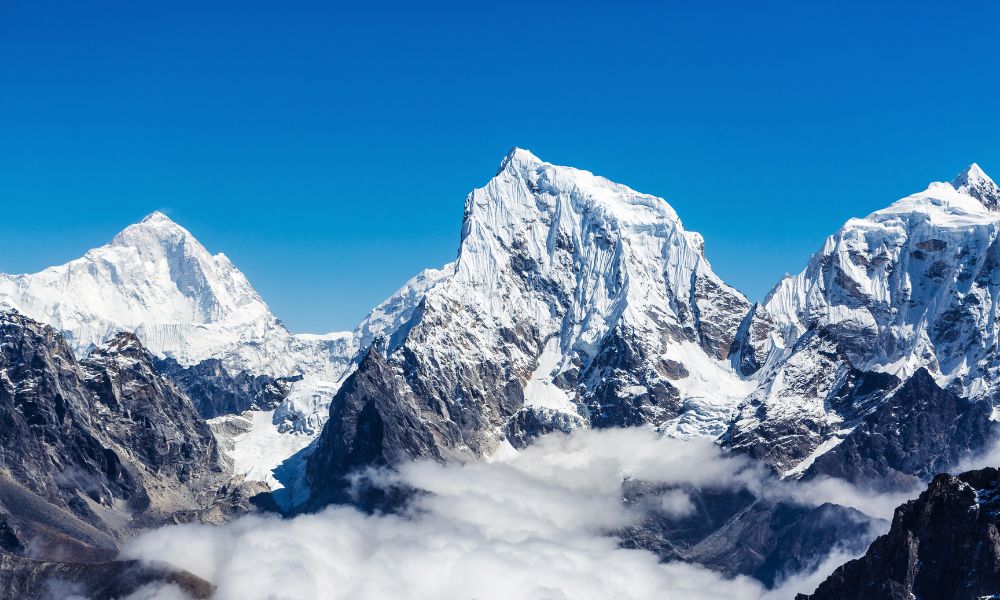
<point>327,148</point>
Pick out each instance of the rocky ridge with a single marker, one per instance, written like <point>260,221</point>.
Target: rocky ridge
<point>944,544</point>
<point>574,302</point>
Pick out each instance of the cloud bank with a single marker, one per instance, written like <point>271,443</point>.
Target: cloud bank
<point>535,525</point>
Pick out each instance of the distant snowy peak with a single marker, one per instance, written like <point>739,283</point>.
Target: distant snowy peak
<point>156,280</point>
<point>974,182</point>
<point>206,289</point>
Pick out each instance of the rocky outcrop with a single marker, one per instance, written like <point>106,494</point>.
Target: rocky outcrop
<point>93,449</point>
<point>737,534</point>
<point>804,401</point>
<point>770,541</point>
<point>216,391</point>
<point>943,545</point>
<point>919,431</point>
<point>29,579</point>
<point>376,420</point>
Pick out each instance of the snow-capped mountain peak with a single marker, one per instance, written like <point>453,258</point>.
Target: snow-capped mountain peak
<point>155,228</point>
<point>518,157</point>
<point>160,218</point>
<point>974,182</point>
<point>574,301</point>
<point>156,280</point>
<point>910,287</point>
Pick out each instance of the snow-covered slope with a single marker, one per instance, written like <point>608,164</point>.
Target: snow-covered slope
<point>912,286</point>
<point>574,301</point>
<point>393,314</point>
<point>156,280</point>
<point>588,263</point>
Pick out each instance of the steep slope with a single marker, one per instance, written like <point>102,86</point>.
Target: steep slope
<point>156,280</point>
<point>920,430</point>
<point>388,321</point>
<point>217,391</point>
<point>943,545</point>
<point>574,301</point>
<point>28,579</point>
<point>211,332</point>
<point>735,533</point>
<point>913,286</point>
<point>94,449</point>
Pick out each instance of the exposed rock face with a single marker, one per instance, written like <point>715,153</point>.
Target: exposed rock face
<point>773,540</point>
<point>974,182</point>
<point>50,436</point>
<point>93,449</point>
<point>356,435</point>
<point>29,579</point>
<point>919,431</point>
<point>671,536</point>
<point>216,391</point>
<point>752,344</point>
<point>803,402</point>
<point>737,534</point>
<point>945,544</point>
<point>574,302</point>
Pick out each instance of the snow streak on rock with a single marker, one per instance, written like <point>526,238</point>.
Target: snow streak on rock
<point>574,301</point>
<point>913,286</point>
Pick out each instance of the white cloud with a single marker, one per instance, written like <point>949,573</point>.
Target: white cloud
<point>990,457</point>
<point>837,491</point>
<point>676,503</point>
<point>536,525</point>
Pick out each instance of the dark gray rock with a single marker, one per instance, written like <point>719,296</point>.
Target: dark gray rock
<point>817,377</point>
<point>28,579</point>
<point>622,363</point>
<point>216,391</point>
<point>919,431</point>
<point>748,352</point>
<point>943,545</point>
<point>672,537</point>
<point>94,449</point>
<point>735,533</point>
<point>380,418</point>
<point>773,540</point>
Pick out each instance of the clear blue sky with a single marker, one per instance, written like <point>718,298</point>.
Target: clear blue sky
<point>328,149</point>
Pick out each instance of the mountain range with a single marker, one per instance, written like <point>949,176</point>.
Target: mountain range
<point>148,382</point>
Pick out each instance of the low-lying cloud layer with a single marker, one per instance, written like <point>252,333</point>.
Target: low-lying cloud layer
<point>537,525</point>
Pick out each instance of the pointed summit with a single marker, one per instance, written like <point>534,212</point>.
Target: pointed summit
<point>157,217</point>
<point>518,156</point>
<point>159,228</point>
<point>159,221</point>
<point>154,279</point>
<point>974,182</point>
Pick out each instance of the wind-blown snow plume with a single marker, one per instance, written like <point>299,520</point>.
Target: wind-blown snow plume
<point>536,524</point>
